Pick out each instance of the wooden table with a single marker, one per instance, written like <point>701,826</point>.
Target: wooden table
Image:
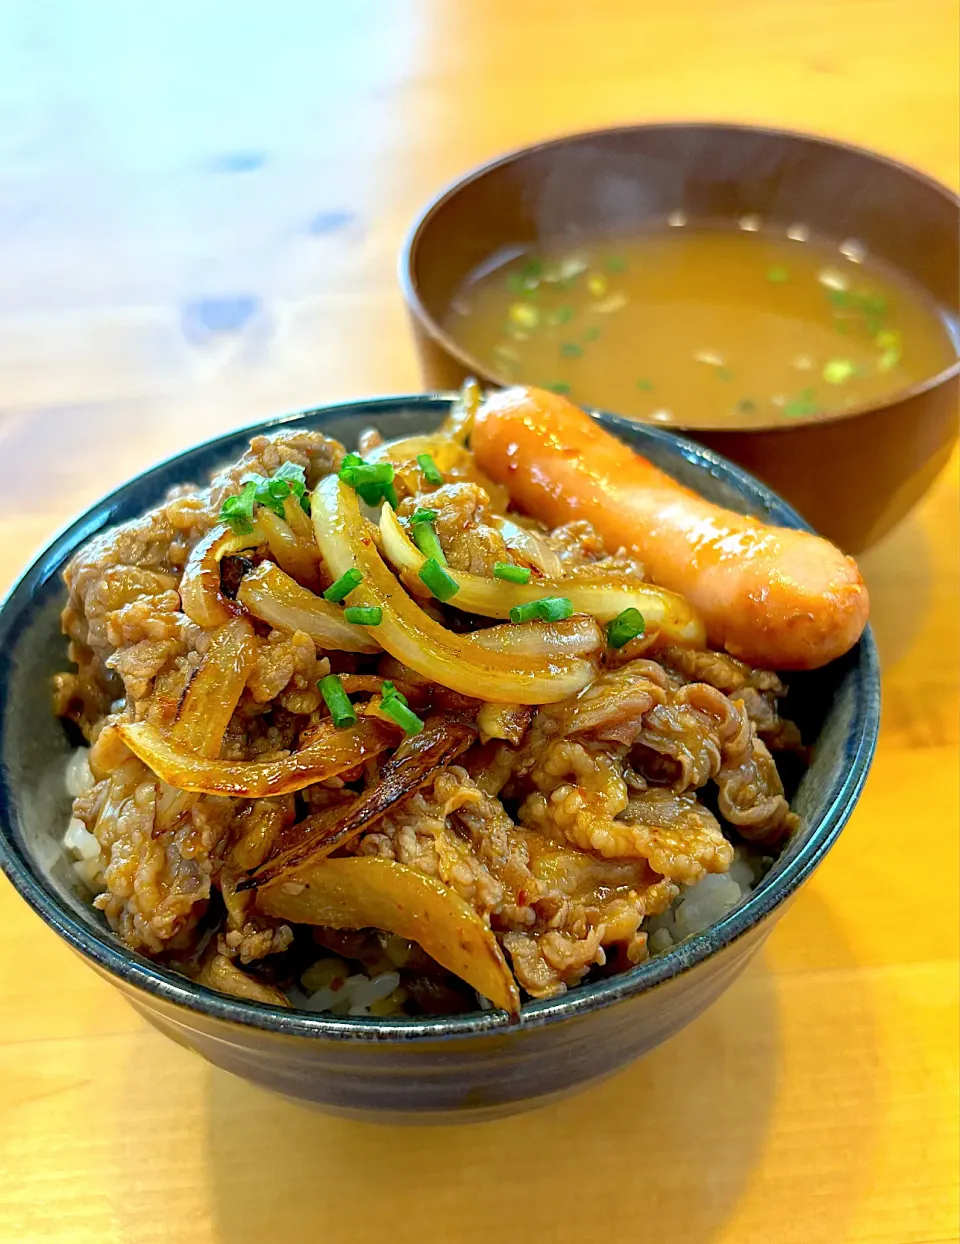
<point>200,209</point>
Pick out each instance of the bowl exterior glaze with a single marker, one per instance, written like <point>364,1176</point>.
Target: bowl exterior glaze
<point>852,477</point>
<point>448,1068</point>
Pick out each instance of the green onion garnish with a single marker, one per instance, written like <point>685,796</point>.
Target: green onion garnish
<point>289,481</point>
<point>550,609</point>
<point>424,516</point>
<point>433,576</point>
<point>373,481</point>
<point>592,333</point>
<point>616,263</point>
<point>425,538</point>
<point>363,615</point>
<point>624,627</point>
<point>560,387</point>
<point>429,469</point>
<point>571,350</point>
<point>776,276</point>
<point>644,385</point>
<point>362,473</point>
<point>512,574</point>
<point>395,707</point>
<point>344,586</point>
<point>337,700</point>
<point>562,315</point>
<point>237,512</point>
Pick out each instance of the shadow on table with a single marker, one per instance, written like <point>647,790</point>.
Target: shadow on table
<point>664,1150</point>
<point>660,1151</point>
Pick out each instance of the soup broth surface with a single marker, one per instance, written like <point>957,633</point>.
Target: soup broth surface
<point>702,327</point>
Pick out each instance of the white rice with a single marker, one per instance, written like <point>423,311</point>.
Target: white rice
<point>698,906</point>
<point>80,845</point>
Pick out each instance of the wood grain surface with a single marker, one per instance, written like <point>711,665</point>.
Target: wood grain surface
<point>200,209</point>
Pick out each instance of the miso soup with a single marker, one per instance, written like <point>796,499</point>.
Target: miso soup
<point>703,327</point>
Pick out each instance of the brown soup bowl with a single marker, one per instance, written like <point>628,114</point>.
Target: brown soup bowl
<point>852,475</point>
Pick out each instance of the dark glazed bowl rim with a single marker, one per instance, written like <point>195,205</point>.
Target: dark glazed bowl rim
<point>105,952</point>
<point>410,286</point>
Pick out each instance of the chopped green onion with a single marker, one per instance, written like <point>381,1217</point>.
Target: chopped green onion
<point>237,512</point>
<point>805,404</point>
<point>395,708</point>
<point>555,608</point>
<point>776,276</point>
<point>337,700</point>
<point>429,468</point>
<point>562,315</point>
<point>624,627</point>
<point>424,516</point>
<point>592,333</point>
<point>560,387</point>
<point>433,576</point>
<point>344,586</point>
<point>373,481</point>
<point>425,538</point>
<point>362,473</point>
<point>746,404</point>
<point>512,574</point>
<point>525,613</point>
<point>724,373</point>
<point>571,350</point>
<point>839,297</point>
<point>515,283</point>
<point>616,263</point>
<point>838,371</point>
<point>389,690</point>
<point>645,386</point>
<point>550,609</point>
<point>371,615</point>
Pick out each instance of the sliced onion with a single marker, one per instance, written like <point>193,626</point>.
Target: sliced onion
<point>453,460</point>
<point>297,558</point>
<point>222,974</point>
<point>530,548</point>
<point>368,892</point>
<point>200,595</point>
<point>330,752</point>
<point>410,767</point>
<point>579,636</point>
<point>274,597</point>
<point>603,597</point>
<point>411,636</point>
<point>214,690</point>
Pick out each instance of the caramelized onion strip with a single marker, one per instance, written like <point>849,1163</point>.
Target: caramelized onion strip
<point>602,598</point>
<point>276,598</point>
<point>410,635</point>
<point>415,763</point>
<point>330,752</point>
<point>367,891</point>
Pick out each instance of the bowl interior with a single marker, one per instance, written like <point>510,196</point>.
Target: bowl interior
<point>838,706</point>
<point>612,182</point>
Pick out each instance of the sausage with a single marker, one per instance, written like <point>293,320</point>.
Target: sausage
<point>775,597</point>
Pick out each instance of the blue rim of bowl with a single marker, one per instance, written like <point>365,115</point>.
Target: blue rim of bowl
<point>105,951</point>
<point>410,286</point>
